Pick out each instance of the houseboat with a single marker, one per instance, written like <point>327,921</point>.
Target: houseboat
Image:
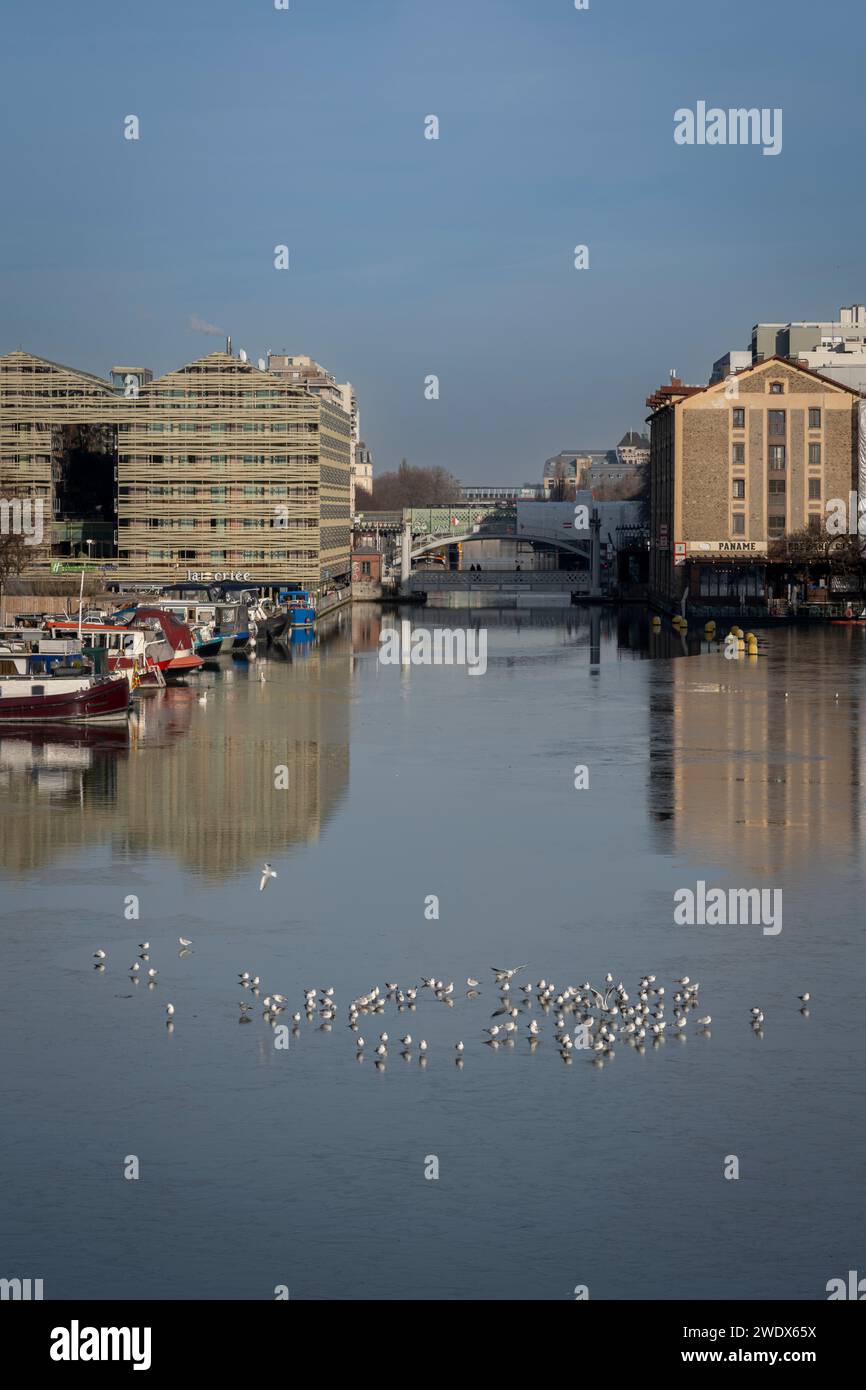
<point>77,691</point>
<point>148,641</point>
<point>228,609</point>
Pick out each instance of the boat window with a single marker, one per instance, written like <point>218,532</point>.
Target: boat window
<point>37,690</point>
<point>8,668</point>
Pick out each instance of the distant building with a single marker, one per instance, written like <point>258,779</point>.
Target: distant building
<point>732,362</point>
<point>793,339</point>
<point>569,469</point>
<point>362,472</point>
<point>734,474</point>
<point>633,448</point>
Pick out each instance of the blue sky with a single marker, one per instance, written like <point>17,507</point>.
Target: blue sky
<point>409,256</point>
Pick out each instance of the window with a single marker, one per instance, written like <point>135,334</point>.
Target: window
<point>815,455</point>
<point>739,417</point>
<point>815,523</point>
<point>738,524</point>
<point>814,489</point>
<point>777,486</point>
<point>777,458</point>
<point>739,487</point>
<point>776,388</point>
<point>814,418</point>
<point>365,566</point>
<point>776,421</point>
<point>775,526</point>
<point>739,455</point>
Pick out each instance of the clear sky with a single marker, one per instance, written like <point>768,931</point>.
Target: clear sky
<point>408,256</point>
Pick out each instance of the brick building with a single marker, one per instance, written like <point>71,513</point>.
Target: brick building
<point>740,469</point>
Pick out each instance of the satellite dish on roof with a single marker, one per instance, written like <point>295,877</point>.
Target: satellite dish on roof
<point>262,365</point>
<point>242,354</point>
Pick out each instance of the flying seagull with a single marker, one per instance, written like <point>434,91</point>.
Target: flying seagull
<point>267,872</point>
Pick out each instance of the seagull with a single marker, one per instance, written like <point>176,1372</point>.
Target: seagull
<point>459,1047</point>
<point>422,1046</point>
<point>407,1041</point>
<point>99,955</point>
<point>202,699</point>
<point>134,968</point>
<point>262,677</point>
<point>473,984</point>
<point>804,998</point>
<point>267,872</point>
<point>184,941</point>
<point>506,974</point>
<point>152,973</point>
<point>169,1008</point>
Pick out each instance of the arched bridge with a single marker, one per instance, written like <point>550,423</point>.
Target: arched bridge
<point>424,529</point>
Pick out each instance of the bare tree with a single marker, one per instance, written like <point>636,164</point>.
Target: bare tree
<point>413,487</point>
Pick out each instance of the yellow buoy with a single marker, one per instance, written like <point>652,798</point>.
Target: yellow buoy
<point>750,637</point>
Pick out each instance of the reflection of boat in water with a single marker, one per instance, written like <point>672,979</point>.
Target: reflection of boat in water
<point>20,746</point>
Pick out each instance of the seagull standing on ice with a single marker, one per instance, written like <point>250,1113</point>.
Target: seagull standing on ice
<point>184,941</point>
<point>267,872</point>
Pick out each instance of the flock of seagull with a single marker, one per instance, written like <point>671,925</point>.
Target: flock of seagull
<point>580,1018</point>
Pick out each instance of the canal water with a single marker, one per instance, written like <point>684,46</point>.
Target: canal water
<point>423,821</point>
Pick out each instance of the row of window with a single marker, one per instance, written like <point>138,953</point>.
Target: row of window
<point>219,493</point>
<point>775,523</point>
<point>231,556</point>
<point>222,460</point>
<point>777,488</point>
<point>776,455</point>
<point>216,427</point>
<point>185,523</point>
<point>775,419</point>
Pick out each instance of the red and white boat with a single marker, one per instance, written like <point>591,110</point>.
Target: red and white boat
<point>150,640</point>
<point>60,698</point>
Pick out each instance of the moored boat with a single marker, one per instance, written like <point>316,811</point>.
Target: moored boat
<point>63,699</point>
<point>145,640</point>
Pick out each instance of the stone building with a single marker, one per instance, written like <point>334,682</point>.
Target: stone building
<point>738,468</point>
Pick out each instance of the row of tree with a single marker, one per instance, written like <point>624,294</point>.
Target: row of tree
<point>409,487</point>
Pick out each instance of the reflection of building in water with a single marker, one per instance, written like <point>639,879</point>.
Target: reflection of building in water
<point>211,801</point>
<point>58,788</point>
<point>199,783</point>
<point>742,776</point>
